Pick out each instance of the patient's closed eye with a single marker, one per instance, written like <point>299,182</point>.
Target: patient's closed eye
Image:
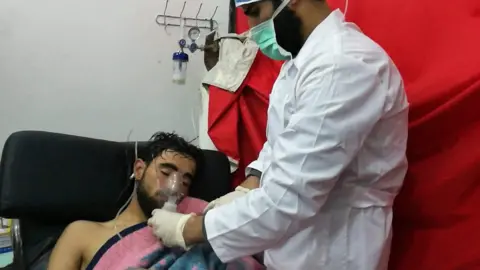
<point>166,173</point>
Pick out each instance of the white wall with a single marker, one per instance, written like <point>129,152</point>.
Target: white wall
<point>95,68</point>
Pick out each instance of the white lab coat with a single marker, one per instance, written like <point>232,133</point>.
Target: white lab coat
<point>333,162</point>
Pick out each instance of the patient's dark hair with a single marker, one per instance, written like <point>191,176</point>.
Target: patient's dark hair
<point>165,141</point>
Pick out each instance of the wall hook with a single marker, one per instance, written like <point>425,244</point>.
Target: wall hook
<point>183,9</point>
<point>214,12</point>
<point>198,13</point>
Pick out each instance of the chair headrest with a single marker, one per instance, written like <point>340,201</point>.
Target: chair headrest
<point>56,176</point>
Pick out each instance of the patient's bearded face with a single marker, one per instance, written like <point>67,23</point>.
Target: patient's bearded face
<point>150,189</point>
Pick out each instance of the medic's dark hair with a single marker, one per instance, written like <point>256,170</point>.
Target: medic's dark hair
<point>161,142</point>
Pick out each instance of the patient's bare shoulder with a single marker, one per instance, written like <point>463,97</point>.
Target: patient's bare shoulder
<point>93,235</point>
<point>81,226</point>
<point>76,234</point>
<point>84,233</point>
<point>80,241</point>
<point>70,247</point>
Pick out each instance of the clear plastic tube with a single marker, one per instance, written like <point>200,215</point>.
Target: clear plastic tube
<point>132,177</point>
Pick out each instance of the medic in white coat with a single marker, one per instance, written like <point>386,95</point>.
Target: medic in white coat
<point>334,159</point>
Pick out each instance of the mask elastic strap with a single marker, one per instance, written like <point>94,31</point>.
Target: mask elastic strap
<point>277,11</point>
<point>248,33</point>
<point>345,9</point>
<point>280,8</point>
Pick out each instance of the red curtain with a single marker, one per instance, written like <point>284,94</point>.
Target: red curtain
<point>237,121</point>
<point>242,23</point>
<point>436,46</point>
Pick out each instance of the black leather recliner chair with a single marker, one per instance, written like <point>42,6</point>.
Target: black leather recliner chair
<point>48,180</point>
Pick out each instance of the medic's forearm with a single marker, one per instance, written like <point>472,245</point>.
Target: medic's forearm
<point>250,225</point>
<point>194,232</point>
<point>252,181</point>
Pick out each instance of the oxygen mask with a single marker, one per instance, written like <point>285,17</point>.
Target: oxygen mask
<point>172,190</point>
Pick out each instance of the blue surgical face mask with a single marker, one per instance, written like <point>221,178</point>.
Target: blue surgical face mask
<point>266,39</point>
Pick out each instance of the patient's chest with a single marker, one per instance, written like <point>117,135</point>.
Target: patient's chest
<point>137,240</point>
<point>95,240</point>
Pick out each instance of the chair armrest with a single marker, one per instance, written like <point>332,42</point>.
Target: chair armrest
<point>17,245</point>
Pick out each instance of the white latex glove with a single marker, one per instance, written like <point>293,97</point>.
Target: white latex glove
<point>237,193</point>
<point>168,226</point>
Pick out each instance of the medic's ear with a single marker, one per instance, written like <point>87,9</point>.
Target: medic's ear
<point>139,168</point>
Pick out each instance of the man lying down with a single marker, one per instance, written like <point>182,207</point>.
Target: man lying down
<point>126,242</point>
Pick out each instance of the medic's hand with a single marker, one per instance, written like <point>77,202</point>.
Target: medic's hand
<point>239,192</point>
<point>168,226</point>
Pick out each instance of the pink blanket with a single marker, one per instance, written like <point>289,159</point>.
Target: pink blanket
<point>139,248</point>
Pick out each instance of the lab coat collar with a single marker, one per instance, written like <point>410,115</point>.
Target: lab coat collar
<point>328,27</point>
